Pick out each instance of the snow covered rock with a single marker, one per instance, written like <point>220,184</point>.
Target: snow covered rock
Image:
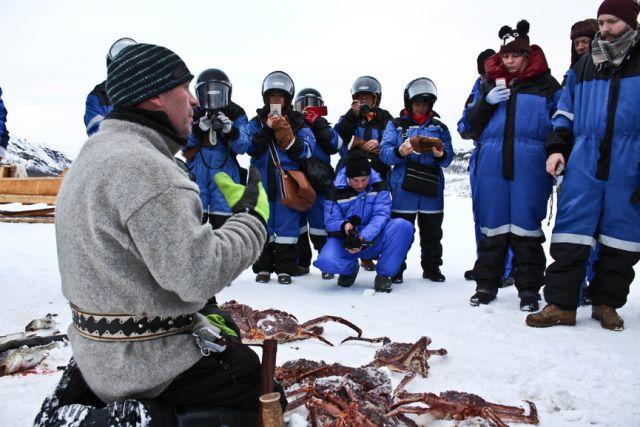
<point>38,159</point>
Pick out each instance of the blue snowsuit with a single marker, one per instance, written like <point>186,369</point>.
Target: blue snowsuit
<point>97,107</point>
<point>409,205</point>
<point>392,237</point>
<point>205,160</point>
<point>600,111</point>
<point>462,130</point>
<point>512,186</point>
<point>280,254</point>
<point>4,132</point>
<point>326,145</point>
<point>349,126</point>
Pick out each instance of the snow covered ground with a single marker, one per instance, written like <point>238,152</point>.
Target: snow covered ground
<point>576,376</point>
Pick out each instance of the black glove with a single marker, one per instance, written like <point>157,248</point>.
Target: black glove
<point>296,149</point>
<point>352,241</point>
<point>260,142</point>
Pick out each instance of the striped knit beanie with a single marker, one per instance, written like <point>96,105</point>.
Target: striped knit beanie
<point>142,71</point>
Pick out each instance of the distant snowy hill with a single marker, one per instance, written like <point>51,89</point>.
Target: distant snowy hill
<point>39,159</point>
<point>456,176</point>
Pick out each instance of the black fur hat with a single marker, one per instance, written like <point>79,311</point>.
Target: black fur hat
<point>515,40</point>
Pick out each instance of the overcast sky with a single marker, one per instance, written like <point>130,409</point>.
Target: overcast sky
<point>53,52</point>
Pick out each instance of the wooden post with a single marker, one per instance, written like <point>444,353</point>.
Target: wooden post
<point>271,410</point>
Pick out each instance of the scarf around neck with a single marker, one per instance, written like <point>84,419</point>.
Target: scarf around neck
<point>606,53</point>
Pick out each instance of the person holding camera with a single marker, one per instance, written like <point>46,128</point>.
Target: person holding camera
<point>361,129</point>
<point>418,145</point>
<point>309,102</point>
<point>97,105</point>
<point>215,142</point>
<point>507,280</point>
<point>279,140</point>
<point>510,118</point>
<point>359,224</point>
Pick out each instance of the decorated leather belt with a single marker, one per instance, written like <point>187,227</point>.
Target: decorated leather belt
<point>124,327</point>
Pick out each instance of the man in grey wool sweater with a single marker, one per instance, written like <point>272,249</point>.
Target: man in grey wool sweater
<point>135,261</point>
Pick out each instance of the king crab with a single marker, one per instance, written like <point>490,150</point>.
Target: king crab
<point>339,395</point>
<point>258,325</point>
<point>410,358</point>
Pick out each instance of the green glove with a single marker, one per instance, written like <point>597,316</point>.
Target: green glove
<point>217,320</point>
<point>251,198</point>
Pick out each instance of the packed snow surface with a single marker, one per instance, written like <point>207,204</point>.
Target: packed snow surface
<point>577,376</point>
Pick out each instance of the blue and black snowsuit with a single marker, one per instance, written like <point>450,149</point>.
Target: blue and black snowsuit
<point>326,145</point>
<point>406,204</point>
<point>4,132</point>
<point>600,111</point>
<point>392,237</point>
<point>351,128</point>
<point>280,253</point>
<point>463,130</point>
<point>512,186</point>
<point>205,159</point>
<point>96,109</point>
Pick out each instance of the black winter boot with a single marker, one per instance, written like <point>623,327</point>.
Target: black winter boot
<point>481,297</point>
<point>382,283</point>
<point>347,280</point>
<point>434,274</point>
<point>284,279</point>
<point>530,303</point>
<point>468,275</point>
<point>263,277</point>
<point>397,278</point>
<point>328,276</point>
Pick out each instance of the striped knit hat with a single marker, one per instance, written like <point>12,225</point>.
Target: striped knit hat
<point>142,71</point>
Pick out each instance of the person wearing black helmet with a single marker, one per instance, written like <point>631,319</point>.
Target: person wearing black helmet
<point>418,145</point>
<point>361,128</point>
<point>278,135</point>
<point>97,105</point>
<point>309,102</point>
<point>214,142</point>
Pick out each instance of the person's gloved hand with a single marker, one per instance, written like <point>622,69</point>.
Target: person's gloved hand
<point>251,199</point>
<point>497,95</point>
<point>227,123</point>
<point>283,132</point>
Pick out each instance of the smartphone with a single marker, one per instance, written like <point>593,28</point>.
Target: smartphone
<point>559,169</point>
<point>501,82</point>
<point>320,110</point>
<point>276,109</point>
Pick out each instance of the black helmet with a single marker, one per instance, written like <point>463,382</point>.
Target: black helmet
<point>367,84</point>
<point>278,81</point>
<point>117,47</point>
<point>213,89</point>
<point>421,86</point>
<point>307,97</point>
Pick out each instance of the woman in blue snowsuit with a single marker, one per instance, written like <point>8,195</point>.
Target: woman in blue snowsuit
<point>358,220</point>
<point>215,142</point>
<point>507,280</point>
<point>510,119</point>
<point>280,254</point>
<point>312,221</point>
<point>425,200</point>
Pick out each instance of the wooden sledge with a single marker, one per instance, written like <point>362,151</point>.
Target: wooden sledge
<point>29,190</point>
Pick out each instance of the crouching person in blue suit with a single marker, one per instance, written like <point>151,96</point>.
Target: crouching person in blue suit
<point>358,220</point>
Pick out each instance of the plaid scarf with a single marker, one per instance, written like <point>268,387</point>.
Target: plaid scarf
<point>607,54</point>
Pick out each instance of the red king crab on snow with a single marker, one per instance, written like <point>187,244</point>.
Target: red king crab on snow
<point>258,325</point>
<point>338,395</point>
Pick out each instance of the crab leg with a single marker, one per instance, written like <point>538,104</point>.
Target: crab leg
<point>324,319</point>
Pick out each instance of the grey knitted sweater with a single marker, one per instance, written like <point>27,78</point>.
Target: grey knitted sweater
<point>130,240</point>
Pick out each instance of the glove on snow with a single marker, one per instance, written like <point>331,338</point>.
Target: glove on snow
<point>497,95</point>
<point>251,199</point>
<point>283,132</point>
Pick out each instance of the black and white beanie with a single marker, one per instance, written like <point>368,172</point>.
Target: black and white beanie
<point>142,71</point>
